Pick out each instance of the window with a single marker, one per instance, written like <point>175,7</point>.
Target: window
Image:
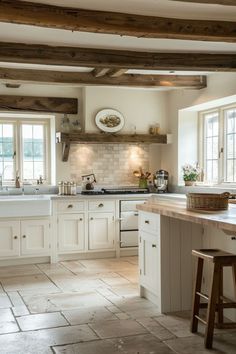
<point>218,137</point>
<point>24,150</point>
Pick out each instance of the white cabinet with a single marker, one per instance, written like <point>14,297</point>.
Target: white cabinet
<point>149,262</point>
<point>35,237</point>
<point>21,238</point>
<point>101,231</point>
<point>9,238</point>
<point>71,232</point>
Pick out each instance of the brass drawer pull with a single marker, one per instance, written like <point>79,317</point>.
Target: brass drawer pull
<point>81,219</point>
<point>24,236</point>
<point>147,222</point>
<point>135,214</point>
<point>70,206</point>
<point>100,205</point>
<point>154,246</point>
<point>15,237</point>
<point>91,218</point>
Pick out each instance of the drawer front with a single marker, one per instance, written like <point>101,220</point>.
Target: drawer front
<point>70,206</point>
<point>101,205</point>
<point>150,222</point>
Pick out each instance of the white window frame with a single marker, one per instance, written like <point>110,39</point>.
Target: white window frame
<point>222,142</point>
<point>18,121</point>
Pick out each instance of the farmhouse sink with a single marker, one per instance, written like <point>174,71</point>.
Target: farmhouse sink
<point>25,205</point>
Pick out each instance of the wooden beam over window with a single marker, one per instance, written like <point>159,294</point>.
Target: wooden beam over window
<point>211,2</point>
<point>106,58</point>
<point>81,78</point>
<point>124,24</point>
<point>39,104</point>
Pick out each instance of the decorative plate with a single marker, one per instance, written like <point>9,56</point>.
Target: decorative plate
<point>109,120</point>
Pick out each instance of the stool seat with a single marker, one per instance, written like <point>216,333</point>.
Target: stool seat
<point>216,301</point>
<point>215,255</point>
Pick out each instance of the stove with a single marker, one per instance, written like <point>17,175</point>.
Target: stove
<point>120,190</point>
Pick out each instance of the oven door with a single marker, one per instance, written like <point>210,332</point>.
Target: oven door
<point>129,220</point>
<point>128,239</point>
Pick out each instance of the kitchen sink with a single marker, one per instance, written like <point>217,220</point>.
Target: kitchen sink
<point>24,205</point>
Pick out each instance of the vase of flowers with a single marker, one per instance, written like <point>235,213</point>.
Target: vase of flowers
<point>190,174</point>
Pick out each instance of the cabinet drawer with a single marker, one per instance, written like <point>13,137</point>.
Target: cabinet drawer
<point>70,206</point>
<point>149,222</point>
<point>101,205</point>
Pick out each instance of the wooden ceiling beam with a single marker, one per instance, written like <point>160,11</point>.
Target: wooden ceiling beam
<point>81,78</point>
<point>116,72</point>
<point>211,2</point>
<point>106,58</point>
<point>49,16</point>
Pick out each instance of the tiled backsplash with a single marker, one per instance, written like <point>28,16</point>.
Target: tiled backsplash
<point>112,164</point>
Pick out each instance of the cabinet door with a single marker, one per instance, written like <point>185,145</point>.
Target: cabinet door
<point>9,238</point>
<point>149,262</point>
<point>71,232</point>
<point>101,231</point>
<point>35,237</point>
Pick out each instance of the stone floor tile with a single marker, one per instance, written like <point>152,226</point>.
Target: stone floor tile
<point>16,299</point>
<point>179,326</point>
<point>113,309</point>
<point>64,301</point>
<point>132,276</point>
<point>28,282</point>
<point>156,329</point>
<point>88,315</point>
<point>122,316</point>
<point>20,310</point>
<point>73,266</point>
<point>222,344</point>
<point>141,344</point>
<point>41,321</point>
<point>19,270</point>
<point>115,281</point>
<point>39,342</point>
<point>118,328</point>
<point>126,290</point>
<point>7,322</point>
<point>143,312</point>
<point>4,301</point>
<point>53,269</point>
<point>74,283</point>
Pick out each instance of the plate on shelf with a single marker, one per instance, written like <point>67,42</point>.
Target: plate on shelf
<point>109,120</point>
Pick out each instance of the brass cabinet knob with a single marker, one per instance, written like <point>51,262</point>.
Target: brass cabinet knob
<point>91,218</point>
<point>24,236</point>
<point>100,205</point>
<point>147,222</point>
<point>80,219</point>
<point>154,246</point>
<point>70,206</point>
<point>15,237</point>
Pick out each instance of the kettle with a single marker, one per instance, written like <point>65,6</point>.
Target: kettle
<point>88,182</point>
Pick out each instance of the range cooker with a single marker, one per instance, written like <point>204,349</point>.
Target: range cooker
<point>121,190</point>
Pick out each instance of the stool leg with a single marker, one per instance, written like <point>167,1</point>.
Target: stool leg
<point>196,297</point>
<point>234,277</point>
<point>220,315</point>
<point>212,306</point>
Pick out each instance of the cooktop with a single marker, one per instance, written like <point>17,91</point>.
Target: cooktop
<point>126,190</point>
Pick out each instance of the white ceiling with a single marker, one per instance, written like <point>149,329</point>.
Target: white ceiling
<point>165,8</point>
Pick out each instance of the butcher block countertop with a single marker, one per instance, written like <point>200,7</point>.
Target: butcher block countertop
<point>176,208</point>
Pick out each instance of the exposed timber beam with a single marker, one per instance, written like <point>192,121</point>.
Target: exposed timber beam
<point>211,2</point>
<point>99,72</point>
<point>77,78</point>
<point>106,58</point>
<point>39,104</point>
<point>21,12</point>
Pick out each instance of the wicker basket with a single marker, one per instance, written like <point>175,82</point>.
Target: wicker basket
<point>207,201</point>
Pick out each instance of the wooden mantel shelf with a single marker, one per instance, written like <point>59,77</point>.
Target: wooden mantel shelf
<point>91,138</point>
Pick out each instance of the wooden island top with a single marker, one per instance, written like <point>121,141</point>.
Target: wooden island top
<point>224,220</point>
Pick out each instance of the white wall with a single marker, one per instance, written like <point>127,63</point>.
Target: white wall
<point>218,85</point>
<point>139,107</point>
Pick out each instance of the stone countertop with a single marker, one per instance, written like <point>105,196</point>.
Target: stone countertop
<point>225,220</point>
<point>102,196</point>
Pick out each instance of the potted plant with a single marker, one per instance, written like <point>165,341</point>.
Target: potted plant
<point>190,174</point>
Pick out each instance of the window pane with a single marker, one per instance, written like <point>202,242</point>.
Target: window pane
<point>230,122</point>
<point>7,165</point>
<point>230,171</point>
<point>209,171</point>
<point>33,151</point>
<point>211,150</point>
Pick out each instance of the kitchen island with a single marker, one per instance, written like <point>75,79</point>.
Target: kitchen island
<point>168,233</point>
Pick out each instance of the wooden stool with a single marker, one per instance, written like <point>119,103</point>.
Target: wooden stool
<point>216,301</point>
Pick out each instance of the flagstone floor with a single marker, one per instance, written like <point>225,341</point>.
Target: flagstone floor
<point>91,307</point>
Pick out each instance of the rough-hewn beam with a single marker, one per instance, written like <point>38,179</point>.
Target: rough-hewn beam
<point>73,56</point>
<point>115,23</point>
<point>39,104</point>
<point>214,2</point>
<point>116,72</point>
<point>75,78</point>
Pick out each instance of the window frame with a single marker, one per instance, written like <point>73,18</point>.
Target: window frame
<point>18,145</point>
<point>222,160</point>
